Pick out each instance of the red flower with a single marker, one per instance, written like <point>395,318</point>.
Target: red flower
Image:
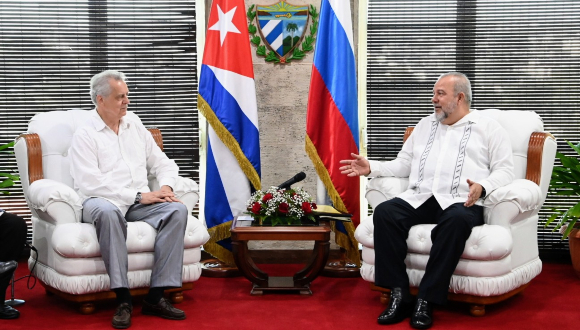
<point>267,197</point>
<point>256,208</point>
<point>283,207</point>
<point>306,207</point>
<point>314,206</point>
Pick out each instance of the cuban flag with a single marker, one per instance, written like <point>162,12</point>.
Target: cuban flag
<point>332,116</point>
<point>227,99</point>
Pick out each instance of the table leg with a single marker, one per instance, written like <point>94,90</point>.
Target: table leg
<point>315,264</point>
<point>246,265</point>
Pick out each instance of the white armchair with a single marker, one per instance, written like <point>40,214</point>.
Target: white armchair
<point>501,256</point>
<point>69,261</point>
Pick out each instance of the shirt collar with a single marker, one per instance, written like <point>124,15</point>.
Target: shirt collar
<point>473,116</point>
<point>99,124</point>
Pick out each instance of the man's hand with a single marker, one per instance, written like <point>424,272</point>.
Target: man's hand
<point>475,190</point>
<point>165,194</point>
<point>355,167</point>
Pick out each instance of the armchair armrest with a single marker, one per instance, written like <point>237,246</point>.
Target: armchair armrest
<point>380,189</point>
<point>524,193</point>
<point>508,202</point>
<point>185,190</point>
<point>54,201</point>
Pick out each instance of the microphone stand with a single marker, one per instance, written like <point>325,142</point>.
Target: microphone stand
<point>13,302</point>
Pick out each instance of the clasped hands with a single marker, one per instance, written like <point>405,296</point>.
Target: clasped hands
<point>164,194</point>
<point>359,165</point>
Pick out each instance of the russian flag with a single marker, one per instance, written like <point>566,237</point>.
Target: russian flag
<point>227,99</point>
<point>332,116</point>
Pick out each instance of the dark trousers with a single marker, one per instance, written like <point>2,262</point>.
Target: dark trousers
<point>394,218</point>
<point>12,238</point>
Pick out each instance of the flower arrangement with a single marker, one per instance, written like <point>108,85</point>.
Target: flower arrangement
<point>281,206</point>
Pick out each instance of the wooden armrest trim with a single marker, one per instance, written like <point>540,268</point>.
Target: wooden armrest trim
<point>34,150</point>
<point>408,132</point>
<point>157,136</point>
<point>535,154</point>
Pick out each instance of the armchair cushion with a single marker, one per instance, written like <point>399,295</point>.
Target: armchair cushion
<point>79,240</point>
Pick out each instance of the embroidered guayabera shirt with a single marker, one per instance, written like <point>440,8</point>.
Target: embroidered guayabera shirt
<point>115,167</point>
<point>439,158</point>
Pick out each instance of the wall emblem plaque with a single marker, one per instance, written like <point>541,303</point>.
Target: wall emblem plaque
<point>284,30</point>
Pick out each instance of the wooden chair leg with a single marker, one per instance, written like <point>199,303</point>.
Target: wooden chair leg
<point>477,310</point>
<point>87,308</point>
<point>176,297</point>
<point>385,297</point>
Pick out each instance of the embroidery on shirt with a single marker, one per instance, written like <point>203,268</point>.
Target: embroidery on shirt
<point>460,160</point>
<point>425,154</point>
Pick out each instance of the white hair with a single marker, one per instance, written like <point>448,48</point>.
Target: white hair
<point>100,83</point>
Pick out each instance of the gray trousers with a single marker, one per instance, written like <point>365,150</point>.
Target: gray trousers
<point>169,219</point>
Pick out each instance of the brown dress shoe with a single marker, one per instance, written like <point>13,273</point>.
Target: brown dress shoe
<point>163,309</point>
<point>122,317</point>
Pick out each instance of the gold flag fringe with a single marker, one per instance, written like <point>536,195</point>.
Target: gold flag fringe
<point>347,242</point>
<point>229,141</point>
<point>216,234</point>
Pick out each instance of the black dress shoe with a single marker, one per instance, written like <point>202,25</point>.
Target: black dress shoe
<point>7,312</point>
<point>422,317</point>
<point>397,310</point>
<point>122,317</point>
<point>163,309</point>
<point>7,269</point>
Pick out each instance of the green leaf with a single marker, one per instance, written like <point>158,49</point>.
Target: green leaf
<point>261,50</point>
<point>256,40</point>
<point>271,57</point>
<point>575,147</point>
<point>6,146</point>
<point>569,229</point>
<point>297,54</point>
<point>552,218</point>
<point>252,29</point>
<point>10,176</point>
<point>6,183</point>
<point>251,13</point>
<point>574,211</point>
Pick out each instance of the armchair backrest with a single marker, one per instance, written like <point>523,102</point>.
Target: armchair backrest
<point>55,130</point>
<point>47,140</point>
<point>519,125</point>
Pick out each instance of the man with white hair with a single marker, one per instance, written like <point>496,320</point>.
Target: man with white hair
<point>111,157</point>
<point>453,159</point>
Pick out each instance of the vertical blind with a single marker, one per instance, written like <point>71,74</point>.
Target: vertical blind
<point>518,54</point>
<point>49,50</point>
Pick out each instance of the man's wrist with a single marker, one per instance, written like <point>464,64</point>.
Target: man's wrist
<point>483,192</point>
<point>138,198</point>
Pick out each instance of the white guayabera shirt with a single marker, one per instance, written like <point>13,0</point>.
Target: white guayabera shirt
<point>115,167</point>
<point>439,158</point>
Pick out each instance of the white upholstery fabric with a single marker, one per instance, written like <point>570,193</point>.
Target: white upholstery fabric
<point>500,255</point>
<point>68,251</point>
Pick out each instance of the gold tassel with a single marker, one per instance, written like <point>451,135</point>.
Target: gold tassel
<point>347,242</point>
<point>216,234</point>
<point>229,141</point>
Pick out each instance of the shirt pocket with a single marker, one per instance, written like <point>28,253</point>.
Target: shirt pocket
<point>107,159</point>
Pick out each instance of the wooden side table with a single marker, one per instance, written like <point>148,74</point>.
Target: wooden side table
<point>242,231</point>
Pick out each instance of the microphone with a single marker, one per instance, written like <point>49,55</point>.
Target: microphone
<point>297,178</point>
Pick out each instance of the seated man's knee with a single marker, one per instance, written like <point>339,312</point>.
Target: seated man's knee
<point>99,208</point>
<point>179,210</point>
<point>382,212</point>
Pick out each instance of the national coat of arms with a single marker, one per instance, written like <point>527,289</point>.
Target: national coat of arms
<point>282,27</point>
